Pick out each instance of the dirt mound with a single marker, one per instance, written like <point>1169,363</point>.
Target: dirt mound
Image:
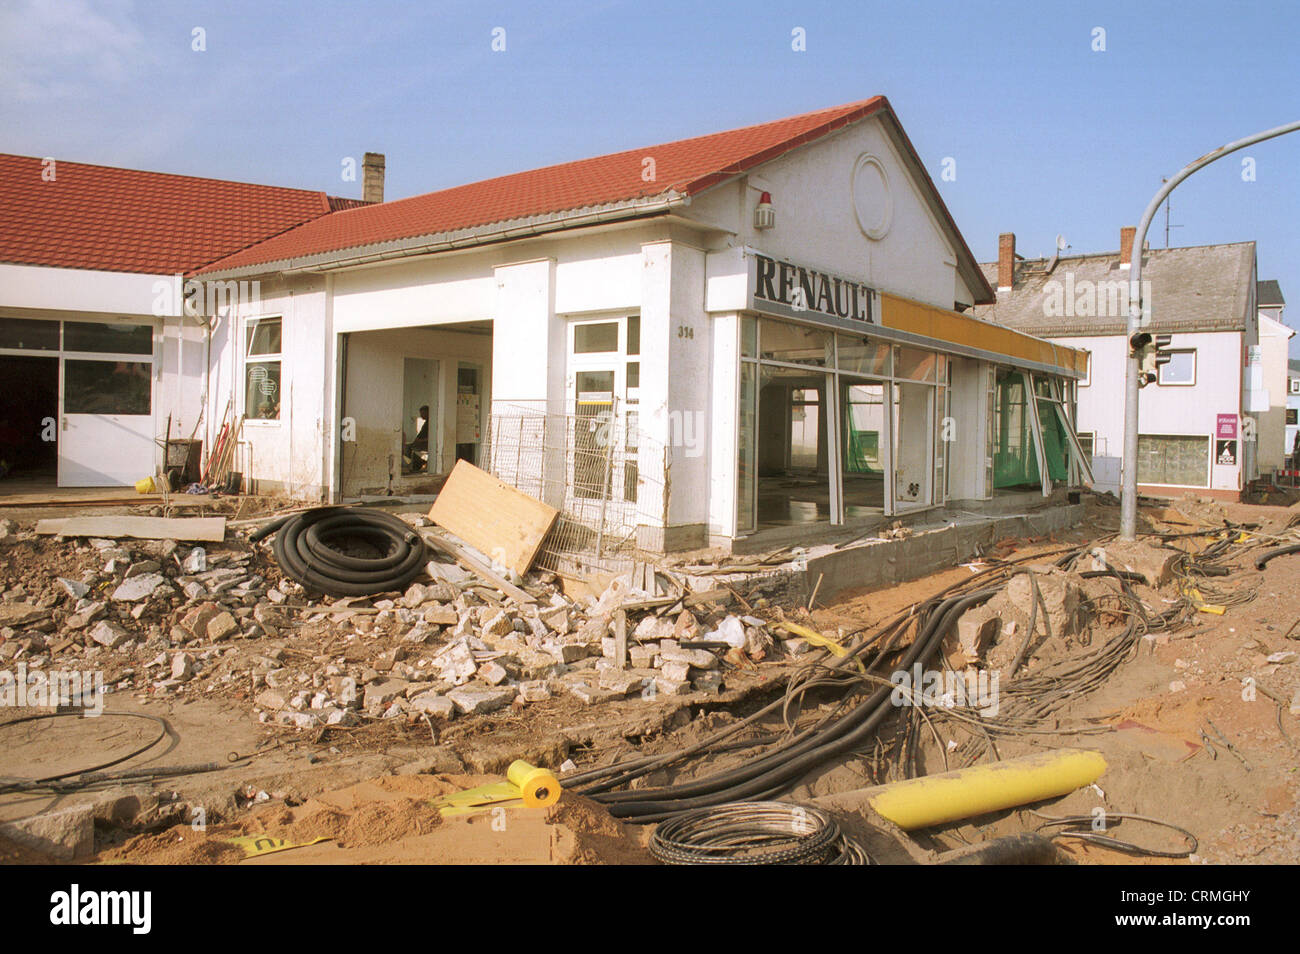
<point>598,838</point>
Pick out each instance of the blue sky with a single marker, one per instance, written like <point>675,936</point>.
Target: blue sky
<point>1048,135</point>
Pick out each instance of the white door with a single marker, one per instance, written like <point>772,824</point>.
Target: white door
<point>106,408</point>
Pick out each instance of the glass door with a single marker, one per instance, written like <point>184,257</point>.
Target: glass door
<point>913,445</point>
<point>106,418</point>
<point>864,446</point>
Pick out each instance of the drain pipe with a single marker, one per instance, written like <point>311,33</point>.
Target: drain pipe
<point>1137,319</point>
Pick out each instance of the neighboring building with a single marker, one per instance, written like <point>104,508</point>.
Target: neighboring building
<point>96,359</point>
<point>1293,411</point>
<point>1274,344</point>
<point>759,330</point>
<point>1196,420</point>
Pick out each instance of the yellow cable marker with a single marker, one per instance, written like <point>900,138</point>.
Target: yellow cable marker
<point>538,786</point>
<point>817,639</point>
<point>965,793</point>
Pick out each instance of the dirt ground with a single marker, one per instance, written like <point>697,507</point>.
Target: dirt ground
<point>367,790</point>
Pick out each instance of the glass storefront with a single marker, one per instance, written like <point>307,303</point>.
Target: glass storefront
<point>836,427</point>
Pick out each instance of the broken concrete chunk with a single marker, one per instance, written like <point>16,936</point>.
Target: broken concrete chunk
<point>84,616</point>
<point>221,626</point>
<point>109,634</point>
<point>196,561</point>
<point>66,834</point>
<point>474,701</point>
<point>142,568</point>
<point>382,693</point>
<point>74,588</point>
<point>140,587</point>
<point>699,658</point>
<point>436,707</point>
<point>21,614</point>
<point>182,666</point>
<point>534,691</point>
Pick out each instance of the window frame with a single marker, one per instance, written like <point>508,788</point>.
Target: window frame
<point>248,328</point>
<point>1208,444</point>
<point>1160,376</point>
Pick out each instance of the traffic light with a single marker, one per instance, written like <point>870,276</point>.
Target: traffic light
<point>1151,352</point>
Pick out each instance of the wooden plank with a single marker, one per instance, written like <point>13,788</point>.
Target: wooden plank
<point>203,529</point>
<point>504,524</point>
<point>471,562</point>
<point>120,499</point>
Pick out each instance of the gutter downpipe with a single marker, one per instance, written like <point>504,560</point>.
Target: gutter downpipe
<point>1139,316</point>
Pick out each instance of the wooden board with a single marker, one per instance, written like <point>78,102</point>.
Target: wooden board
<point>205,529</point>
<point>102,499</point>
<point>504,524</point>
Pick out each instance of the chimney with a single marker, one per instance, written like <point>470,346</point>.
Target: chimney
<point>372,177</point>
<point>1126,236</point>
<point>1006,260</point>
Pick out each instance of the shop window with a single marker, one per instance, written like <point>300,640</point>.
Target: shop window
<point>795,344</point>
<point>634,334</point>
<point>102,338</point>
<point>262,354</point>
<point>864,356</point>
<point>1180,369</point>
<point>599,338</point>
<point>915,364</point>
<point>29,334</point>
<point>749,337</point>
<point>1291,416</point>
<point>1015,462</point>
<point>106,387</point>
<point>1174,460</point>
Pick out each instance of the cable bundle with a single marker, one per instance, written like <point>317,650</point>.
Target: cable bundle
<point>307,549</point>
<point>754,833</point>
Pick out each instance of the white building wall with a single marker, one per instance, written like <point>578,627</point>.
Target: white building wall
<point>288,455</point>
<point>1274,340</point>
<point>816,224</point>
<point>1163,409</point>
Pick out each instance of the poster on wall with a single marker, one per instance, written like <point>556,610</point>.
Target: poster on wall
<point>1225,452</point>
<point>1225,426</point>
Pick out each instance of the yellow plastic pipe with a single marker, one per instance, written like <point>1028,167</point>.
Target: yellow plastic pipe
<point>936,799</point>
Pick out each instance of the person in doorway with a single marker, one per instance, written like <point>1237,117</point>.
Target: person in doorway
<point>417,451</point>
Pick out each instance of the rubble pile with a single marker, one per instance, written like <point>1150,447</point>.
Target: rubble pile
<point>167,619</point>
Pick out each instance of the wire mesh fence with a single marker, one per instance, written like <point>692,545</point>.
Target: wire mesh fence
<point>607,479</point>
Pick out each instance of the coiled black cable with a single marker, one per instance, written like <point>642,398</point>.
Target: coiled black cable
<point>306,547</point>
<point>754,833</point>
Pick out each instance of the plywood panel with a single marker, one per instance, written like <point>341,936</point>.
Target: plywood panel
<point>502,523</point>
<point>205,529</point>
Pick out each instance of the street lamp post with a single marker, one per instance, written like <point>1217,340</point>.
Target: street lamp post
<point>1136,320</point>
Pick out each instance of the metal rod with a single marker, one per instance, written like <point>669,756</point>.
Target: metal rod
<point>1137,319</point>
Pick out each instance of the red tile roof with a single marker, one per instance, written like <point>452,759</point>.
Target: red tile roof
<point>125,220</point>
<point>685,167</point>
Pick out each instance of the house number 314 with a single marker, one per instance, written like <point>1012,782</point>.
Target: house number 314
<point>684,331</point>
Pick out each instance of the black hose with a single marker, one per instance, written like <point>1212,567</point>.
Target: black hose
<point>1262,560</point>
<point>305,547</point>
<point>774,772</point>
